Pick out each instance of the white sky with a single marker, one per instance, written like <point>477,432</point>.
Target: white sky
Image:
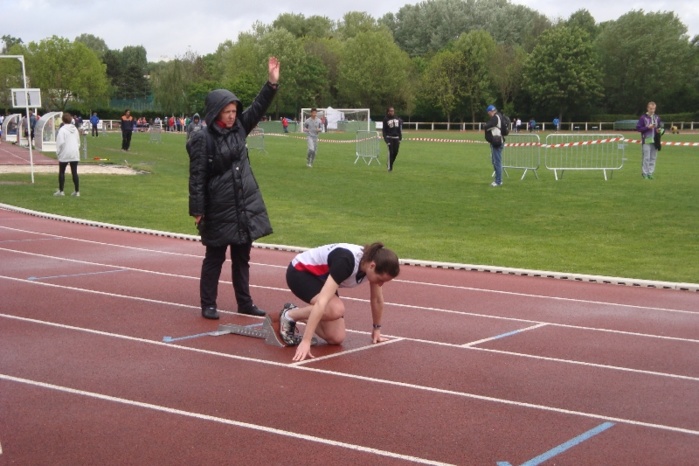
<point>169,28</point>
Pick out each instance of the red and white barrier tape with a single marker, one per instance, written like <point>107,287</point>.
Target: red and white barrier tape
<point>516,144</point>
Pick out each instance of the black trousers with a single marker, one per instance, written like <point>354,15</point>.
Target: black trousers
<point>393,146</point>
<point>126,140</point>
<point>62,175</point>
<point>211,272</point>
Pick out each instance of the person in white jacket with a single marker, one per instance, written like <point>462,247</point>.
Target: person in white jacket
<point>68,153</point>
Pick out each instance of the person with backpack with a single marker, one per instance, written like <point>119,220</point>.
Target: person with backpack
<point>651,129</point>
<point>495,131</point>
<point>224,197</point>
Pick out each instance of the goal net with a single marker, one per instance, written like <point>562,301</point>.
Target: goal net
<point>342,119</point>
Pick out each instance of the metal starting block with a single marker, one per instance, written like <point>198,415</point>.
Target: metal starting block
<point>262,330</point>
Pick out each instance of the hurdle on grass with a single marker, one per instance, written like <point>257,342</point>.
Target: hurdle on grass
<point>603,152</point>
<point>367,146</point>
<point>522,152</point>
<point>256,139</point>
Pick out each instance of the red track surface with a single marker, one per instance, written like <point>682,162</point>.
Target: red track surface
<point>86,378</point>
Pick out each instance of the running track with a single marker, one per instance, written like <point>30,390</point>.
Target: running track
<point>481,368</point>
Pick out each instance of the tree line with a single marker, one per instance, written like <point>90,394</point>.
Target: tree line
<point>437,60</point>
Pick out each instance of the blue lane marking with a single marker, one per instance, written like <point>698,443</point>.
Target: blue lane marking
<point>75,275</point>
<point>508,334</point>
<point>564,446</point>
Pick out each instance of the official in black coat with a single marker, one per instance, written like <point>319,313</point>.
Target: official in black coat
<point>224,197</point>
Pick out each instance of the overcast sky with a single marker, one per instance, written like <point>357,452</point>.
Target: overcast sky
<point>169,28</point>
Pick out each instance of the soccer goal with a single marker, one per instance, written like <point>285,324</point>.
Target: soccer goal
<point>342,119</point>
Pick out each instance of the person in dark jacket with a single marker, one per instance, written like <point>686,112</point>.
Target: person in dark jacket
<point>224,197</point>
<point>392,130</point>
<point>493,134</point>
<point>126,130</point>
<point>194,125</point>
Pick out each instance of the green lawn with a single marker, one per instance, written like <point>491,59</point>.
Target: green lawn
<point>436,205</point>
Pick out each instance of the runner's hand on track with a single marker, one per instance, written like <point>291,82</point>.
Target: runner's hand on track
<point>303,350</point>
<point>376,336</point>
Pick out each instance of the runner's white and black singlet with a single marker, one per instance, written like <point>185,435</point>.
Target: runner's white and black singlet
<point>340,261</point>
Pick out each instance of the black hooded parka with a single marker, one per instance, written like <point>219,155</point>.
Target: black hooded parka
<point>222,187</point>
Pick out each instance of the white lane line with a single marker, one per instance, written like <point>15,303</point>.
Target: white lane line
<point>365,378</point>
<point>447,311</point>
<point>503,335</point>
<point>346,352</point>
<point>553,298</point>
<point>220,420</point>
<point>397,280</point>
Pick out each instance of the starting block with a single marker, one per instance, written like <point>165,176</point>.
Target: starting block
<point>262,331</point>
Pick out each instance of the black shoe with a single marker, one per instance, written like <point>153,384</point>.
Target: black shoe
<point>252,311</point>
<point>209,312</point>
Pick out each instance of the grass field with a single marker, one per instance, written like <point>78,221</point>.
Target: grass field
<point>436,205</point>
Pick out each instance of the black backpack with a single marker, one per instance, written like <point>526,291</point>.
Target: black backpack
<point>505,125</point>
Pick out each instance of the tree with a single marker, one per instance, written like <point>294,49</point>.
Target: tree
<point>169,83</point>
<point>66,72</point>
<point>9,42</point>
<point>584,20</point>
<point>428,27</point>
<point>477,48</point>
<point>373,71</point>
<point>562,75</point>
<point>442,81</point>
<point>505,71</point>
<point>128,72</point>
<point>300,26</point>
<point>329,52</point>
<point>94,43</point>
<point>355,23</point>
<point>645,56</point>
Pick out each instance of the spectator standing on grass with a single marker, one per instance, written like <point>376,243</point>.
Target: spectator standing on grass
<point>392,132</point>
<point>493,134</point>
<point>127,125</point>
<point>32,125</point>
<point>285,124</point>
<point>316,275</point>
<point>94,121</point>
<point>312,126</point>
<point>651,129</point>
<point>556,124</point>
<point>194,126</point>
<point>224,197</point>
<point>68,153</point>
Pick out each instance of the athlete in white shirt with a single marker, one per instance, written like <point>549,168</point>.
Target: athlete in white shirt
<point>316,275</point>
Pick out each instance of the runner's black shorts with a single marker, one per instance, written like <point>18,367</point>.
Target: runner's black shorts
<point>304,285</point>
